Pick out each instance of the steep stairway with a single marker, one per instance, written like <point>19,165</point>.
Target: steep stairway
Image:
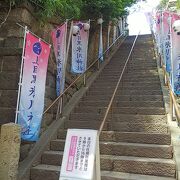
<point>135,142</point>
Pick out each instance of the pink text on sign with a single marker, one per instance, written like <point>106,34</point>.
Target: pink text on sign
<point>72,151</point>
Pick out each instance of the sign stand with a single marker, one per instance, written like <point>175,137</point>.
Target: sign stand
<point>81,159</point>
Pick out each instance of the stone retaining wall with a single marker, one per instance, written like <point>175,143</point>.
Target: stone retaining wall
<point>11,43</point>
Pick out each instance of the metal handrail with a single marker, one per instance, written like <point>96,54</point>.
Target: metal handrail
<point>173,102</point>
<point>117,85</point>
<point>73,83</point>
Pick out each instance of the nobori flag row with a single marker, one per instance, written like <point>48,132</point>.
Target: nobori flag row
<point>30,103</point>
<point>168,43</point>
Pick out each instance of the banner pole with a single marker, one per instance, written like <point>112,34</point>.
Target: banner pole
<point>65,63</point>
<point>21,74</point>
<point>34,34</point>
<point>98,166</point>
<point>84,78</point>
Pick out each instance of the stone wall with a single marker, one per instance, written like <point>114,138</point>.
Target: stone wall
<point>9,151</point>
<point>11,43</point>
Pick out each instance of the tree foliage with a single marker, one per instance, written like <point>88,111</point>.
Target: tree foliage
<point>79,8</point>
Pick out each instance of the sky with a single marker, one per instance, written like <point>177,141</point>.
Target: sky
<point>137,20</point>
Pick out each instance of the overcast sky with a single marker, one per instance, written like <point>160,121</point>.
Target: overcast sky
<point>137,20</point>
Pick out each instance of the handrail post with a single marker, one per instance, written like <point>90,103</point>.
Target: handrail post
<point>171,108</point>
<point>84,80</point>
<point>98,65</point>
<point>60,107</point>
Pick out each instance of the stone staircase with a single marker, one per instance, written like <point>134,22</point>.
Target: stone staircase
<point>135,142</point>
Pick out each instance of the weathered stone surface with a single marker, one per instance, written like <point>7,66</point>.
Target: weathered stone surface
<point>8,98</point>
<point>11,63</point>
<point>157,167</point>
<point>9,81</point>
<point>14,42</point>
<point>9,151</point>
<point>10,51</point>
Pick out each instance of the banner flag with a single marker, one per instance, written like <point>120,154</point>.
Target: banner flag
<point>120,26</point>
<point>175,58</point>
<point>114,34</point>
<point>59,43</point>
<point>79,50</point>
<point>158,31</point>
<point>108,38</point>
<point>100,53</point>
<point>167,41</point>
<point>33,87</point>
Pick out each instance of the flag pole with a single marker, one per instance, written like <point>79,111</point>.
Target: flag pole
<point>34,34</point>
<point>60,105</point>
<point>21,74</point>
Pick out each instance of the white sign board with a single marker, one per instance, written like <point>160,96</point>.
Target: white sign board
<point>79,155</point>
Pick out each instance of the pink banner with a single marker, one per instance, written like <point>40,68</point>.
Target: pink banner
<point>175,58</point>
<point>158,31</point>
<point>167,40</point>
<point>59,43</point>
<point>33,87</point>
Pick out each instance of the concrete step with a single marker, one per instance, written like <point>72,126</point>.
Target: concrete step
<point>138,165</point>
<point>129,137</point>
<point>122,110</point>
<point>122,103</point>
<point>130,78</point>
<point>138,127</point>
<point>136,149</point>
<point>109,175</point>
<point>55,155</point>
<point>153,81</point>
<point>127,87</point>
<point>130,118</point>
<point>130,68</point>
<point>109,83</point>
<point>84,125</point>
<point>45,172</point>
<point>118,149</point>
<point>50,172</point>
<point>137,118</point>
<point>118,126</point>
<point>149,73</point>
<point>125,92</point>
<point>125,97</point>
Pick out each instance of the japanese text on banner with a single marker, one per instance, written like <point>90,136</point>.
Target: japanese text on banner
<point>33,87</point>
<point>175,58</point>
<point>79,50</point>
<point>59,42</point>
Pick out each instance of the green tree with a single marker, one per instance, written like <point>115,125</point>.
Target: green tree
<point>79,8</point>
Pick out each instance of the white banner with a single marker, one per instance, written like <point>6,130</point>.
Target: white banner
<point>79,50</point>
<point>100,54</point>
